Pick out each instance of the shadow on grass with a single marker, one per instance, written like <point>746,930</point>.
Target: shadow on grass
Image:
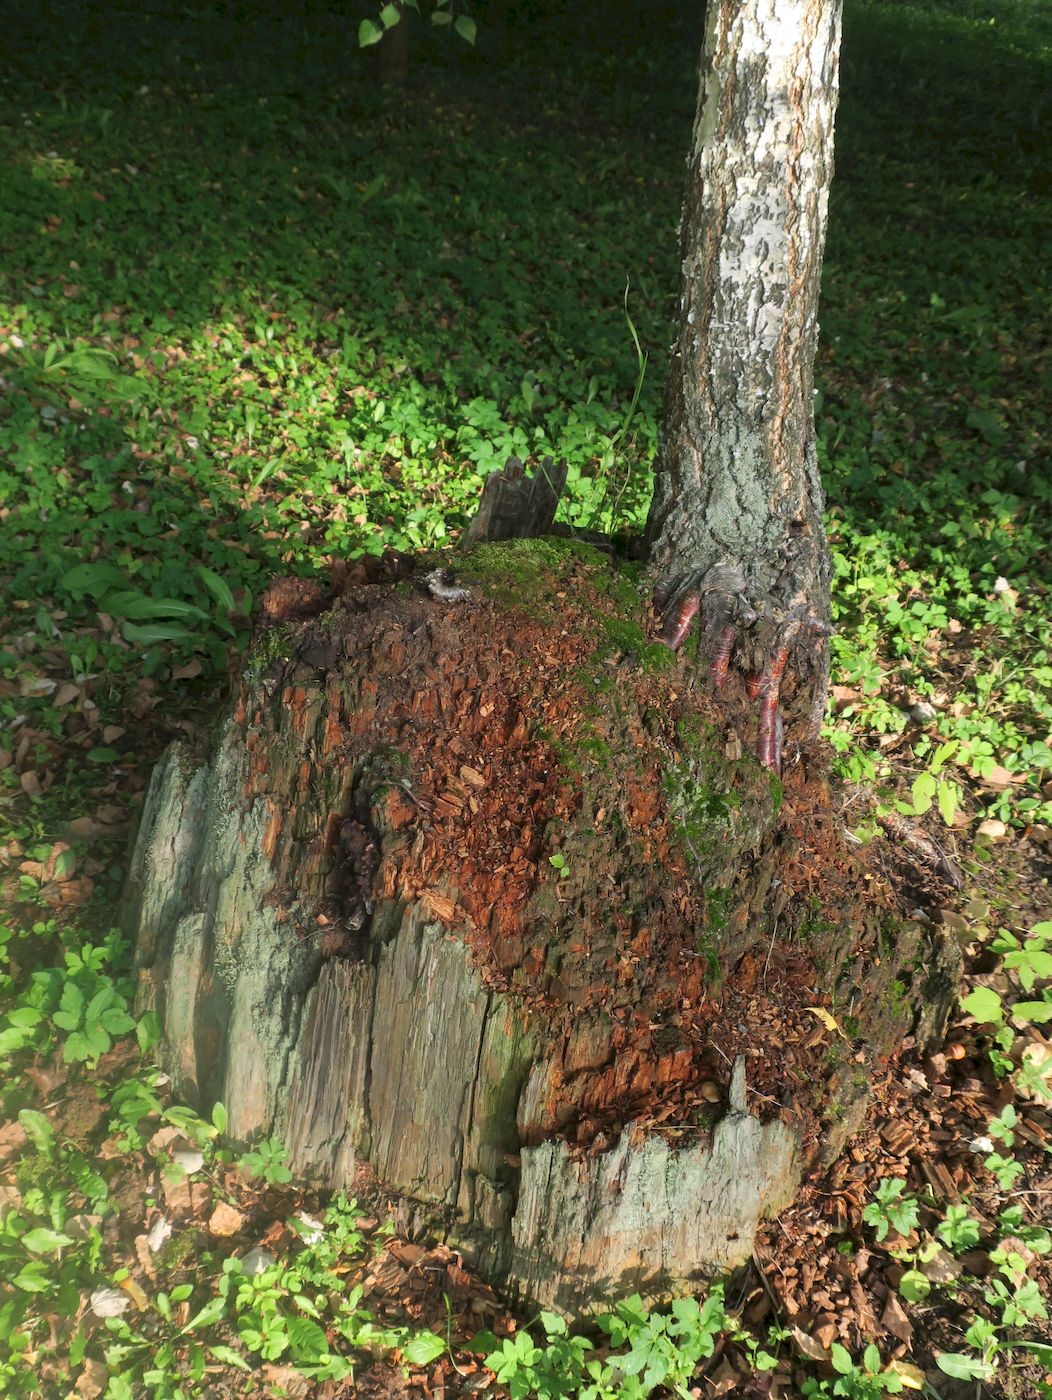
<point>358,286</point>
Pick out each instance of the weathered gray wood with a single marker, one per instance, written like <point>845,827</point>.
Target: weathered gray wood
<point>407,1061</point>
<point>514,505</point>
<point>645,1213</point>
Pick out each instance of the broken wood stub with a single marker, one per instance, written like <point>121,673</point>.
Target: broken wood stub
<point>515,505</point>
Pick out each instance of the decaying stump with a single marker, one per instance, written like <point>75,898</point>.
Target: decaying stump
<point>485,892</point>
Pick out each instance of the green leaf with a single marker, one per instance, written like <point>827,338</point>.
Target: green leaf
<point>964,1368</point>
<point>140,605</point>
<point>25,1016</point>
<point>102,755</point>
<point>389,16</point>
<point>151,632</point>
<point>914,1286</point>
<point>65,864</point>
<point>38,1129</point>
<point>423,1348</point>
<point>92,580</point>
<point>148,1031</point>
<point>840,1358</point>
<point>218,587</point>
<point>13,1039</point>
<point>307,1338</point>
<point>441,17</point>
<point>1040,1351</point>
<point>227,1356</point>
<point>116,1022</point>
<point>210,1314</point>
<point>947,802</point>
<point>985,1005</point>
<point>219,1117</point>
<point>1036,1012</point>
<point>466,28</point>
<point>41,1241</point>
<point>369,32</point>
<point>922,792</point>
<point>482,1342</point>
<point>100,1002</point>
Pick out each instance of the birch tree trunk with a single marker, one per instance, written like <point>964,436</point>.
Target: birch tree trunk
<point>735,529</point>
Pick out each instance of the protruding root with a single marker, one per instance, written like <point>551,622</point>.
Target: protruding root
<point>677,623</point>
<point>722,657</point>
<point>720,599</point>
<point>769,740</point>
<point>801,625</point>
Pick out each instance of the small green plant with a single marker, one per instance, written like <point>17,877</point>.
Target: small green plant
<point>1014,1299</point>
<point>983,1336</point>
<point>83,1005</point>
<point>1028,960</point>
<point>863,1380</point>
<point>268,1160</point>
<point>648,1350</point>
<point>958,1230</point>
<point>892,1208</point>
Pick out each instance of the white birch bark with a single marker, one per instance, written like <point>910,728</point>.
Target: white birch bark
<point>737,479</point>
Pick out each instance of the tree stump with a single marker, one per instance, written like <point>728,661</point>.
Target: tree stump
<point>484,892</point>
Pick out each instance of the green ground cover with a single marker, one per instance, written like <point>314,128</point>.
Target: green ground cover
<point>255,313</point>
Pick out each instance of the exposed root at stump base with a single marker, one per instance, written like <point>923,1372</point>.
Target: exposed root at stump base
<point>727,616</point>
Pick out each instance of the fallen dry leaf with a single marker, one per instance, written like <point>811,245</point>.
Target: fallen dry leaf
<point>109,1302</point>
<point>12,1139</point>
<point>894,1320</point>
<point>1038,1054</point>
<point>912,1377</point>
<point>225,1220</point>
<point>829,1021</point>
<point>69,893</point>
<point>191,1159</point>
<point>79,1226</point>
<point>92,1380</point>
<point>158,1233</point>
<point>176,1194</point>
<point>66,694</point>
<point>1000,777</point>
<point>808,1346</point>
<point>135,1293</point>
<point>287,1381</point>
<point>942,1267</point>
<point>145,1256</point>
